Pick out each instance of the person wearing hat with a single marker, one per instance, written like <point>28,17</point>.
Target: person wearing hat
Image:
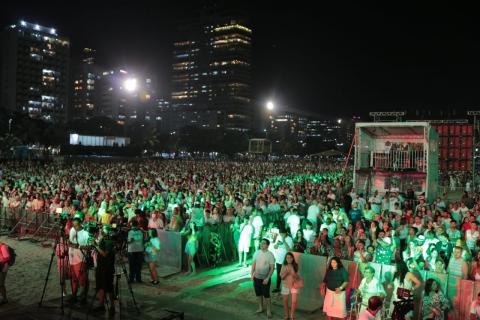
<point>105,267</point>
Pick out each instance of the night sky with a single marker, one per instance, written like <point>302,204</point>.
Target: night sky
<point>339,60</point>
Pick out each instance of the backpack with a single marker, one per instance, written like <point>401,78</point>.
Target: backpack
<point>12,254</point>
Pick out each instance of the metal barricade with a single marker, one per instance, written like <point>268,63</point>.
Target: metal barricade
<point>399,160</point>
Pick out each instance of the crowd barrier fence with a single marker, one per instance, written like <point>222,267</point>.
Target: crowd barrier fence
<point>459,292</point>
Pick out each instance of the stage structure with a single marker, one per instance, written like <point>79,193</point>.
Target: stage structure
<point>259,146</point>
<point>396,156</point>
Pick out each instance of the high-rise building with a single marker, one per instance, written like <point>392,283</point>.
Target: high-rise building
<point>125,97</point>
<point>35,71</point>
<point>85,79</point>
<point>284,126</point>
<point>212,71</point>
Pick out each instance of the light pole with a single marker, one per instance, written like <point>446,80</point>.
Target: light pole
<point>269,106</point>
<point>474,151</point>
<point>131,86</point>
<point>10,125</point>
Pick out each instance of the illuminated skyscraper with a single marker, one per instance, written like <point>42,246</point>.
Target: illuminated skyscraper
<point>212,71</point>
<point>35,71</point>
<point>125,97</point>
<point>85,80</point>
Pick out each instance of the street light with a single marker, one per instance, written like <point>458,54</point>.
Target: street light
<point>270,106</point>
<point>130,84</point>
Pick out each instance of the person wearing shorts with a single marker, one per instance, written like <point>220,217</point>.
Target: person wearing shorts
<point>289,273</point>
<point>262,269</point>
<point>245,241</point>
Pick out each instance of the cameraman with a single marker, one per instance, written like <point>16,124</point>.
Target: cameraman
<point>78,239</point>
<point>105,267</point>
<point>135,252</point>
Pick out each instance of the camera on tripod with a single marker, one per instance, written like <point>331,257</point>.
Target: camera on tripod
<point>92,227</point>
<point>119,236</point>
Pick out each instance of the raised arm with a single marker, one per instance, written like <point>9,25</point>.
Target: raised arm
<point>410,276</point>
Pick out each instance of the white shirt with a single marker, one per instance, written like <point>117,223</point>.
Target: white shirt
<point>257,223</point>
<point>135,239</point>
<point>471,238</point>
<point>246,231</point>
<point>312,213</point>
<point>309,235</point>
<point>293,223</point>
<point>280,253</point>
<point>75,255</point>
<point>373,288</point>
<point>263,262</point>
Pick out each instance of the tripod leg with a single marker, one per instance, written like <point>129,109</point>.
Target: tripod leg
<point>48,274</point>
<point>129,285</point>
<point>91,303</point>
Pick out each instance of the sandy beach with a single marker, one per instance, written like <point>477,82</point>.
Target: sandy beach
<point>220,293</point>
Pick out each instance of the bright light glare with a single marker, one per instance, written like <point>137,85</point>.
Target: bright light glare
<point>23,23</point>
<point>339,121</point>
<point>130,85</point>
<point>270,105</point>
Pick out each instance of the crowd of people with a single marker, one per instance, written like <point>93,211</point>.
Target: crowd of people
<point>262,210</point>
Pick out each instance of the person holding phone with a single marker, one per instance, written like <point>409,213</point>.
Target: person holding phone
<point>283,244</point>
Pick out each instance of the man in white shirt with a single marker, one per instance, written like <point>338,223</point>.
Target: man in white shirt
<point>262,270</point>
<point>309,234</point>
<point>312,213</point>
<point>244,241</point>
<point>257,223</point>
<point>283,244</point>
<point>293,222</point>
<point>78,239</point>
